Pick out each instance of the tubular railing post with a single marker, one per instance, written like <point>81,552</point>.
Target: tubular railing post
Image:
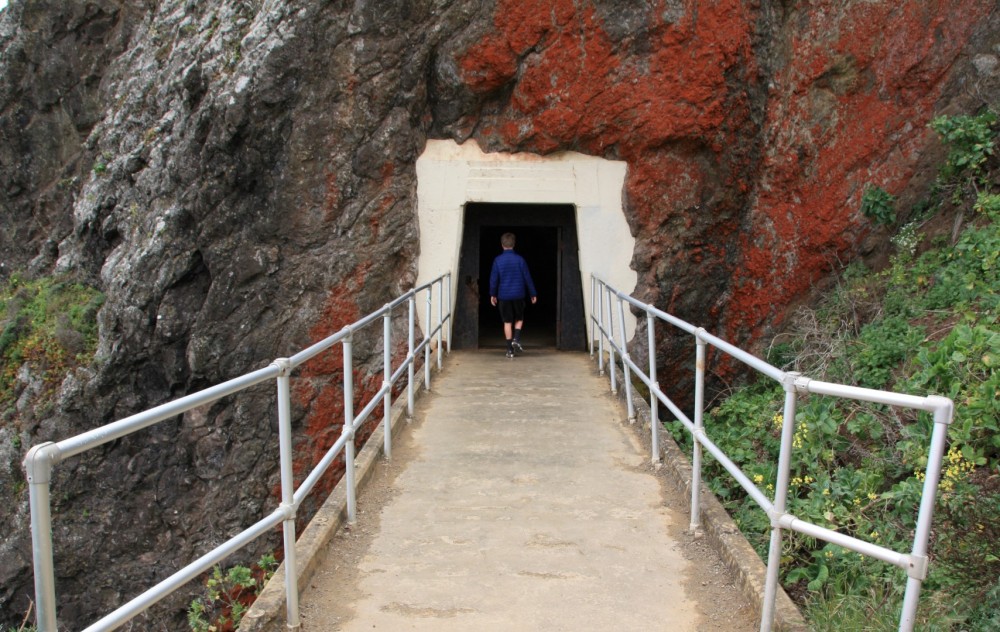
<point>626,356</point>
<point>780,496</point>
<point>599,323</point>
<point>611,345</point>
<point>348,432</point>
<point>654,403</point>
<point>918,568</point>
<point>287,492</point>
<point>440,328</point>
<point>427,341</point>
<point>410,342</point>
<point>699,424</point>
<point>387,382</point>
<point>590,320</point>
<point>451,315</point>
<point>38,467</point>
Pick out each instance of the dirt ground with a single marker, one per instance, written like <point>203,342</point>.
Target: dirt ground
<point>327,602</point>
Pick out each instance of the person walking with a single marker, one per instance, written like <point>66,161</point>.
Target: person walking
<point>510,286</point>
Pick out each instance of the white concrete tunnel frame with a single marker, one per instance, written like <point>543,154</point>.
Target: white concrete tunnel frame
<point>450,175</point>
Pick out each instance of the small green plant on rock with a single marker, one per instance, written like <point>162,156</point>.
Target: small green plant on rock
<point>877,205</point>
<point>48,324</point>
<point>228,594</point>
<point>907,239</point>
<point>101,164</point>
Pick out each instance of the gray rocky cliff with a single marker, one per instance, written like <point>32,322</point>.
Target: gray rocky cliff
<point>218,171</point>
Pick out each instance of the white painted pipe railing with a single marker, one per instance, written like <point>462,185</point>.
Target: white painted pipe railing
<point>41,459</point>
<point>914,563</point>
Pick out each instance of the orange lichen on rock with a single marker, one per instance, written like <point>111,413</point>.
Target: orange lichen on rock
<point>765,125</point>
<point>319,386</point>
<point>851,111</point>
<point>577,90</point>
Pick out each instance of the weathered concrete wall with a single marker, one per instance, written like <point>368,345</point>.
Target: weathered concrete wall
<point>238,177</point>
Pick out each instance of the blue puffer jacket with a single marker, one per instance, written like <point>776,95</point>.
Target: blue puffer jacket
<point>509,278</point>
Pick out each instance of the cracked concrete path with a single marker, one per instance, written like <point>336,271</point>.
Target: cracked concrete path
<point>525,504</point>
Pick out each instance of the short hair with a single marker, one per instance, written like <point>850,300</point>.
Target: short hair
<point>507,240</point>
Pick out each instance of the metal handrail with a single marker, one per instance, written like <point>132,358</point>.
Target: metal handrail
<point>915,563</point>
<point>41,459</point>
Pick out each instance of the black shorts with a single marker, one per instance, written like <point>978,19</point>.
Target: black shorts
<point>511,311</point>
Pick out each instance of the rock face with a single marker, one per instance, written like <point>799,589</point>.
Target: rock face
<point>238,178</point>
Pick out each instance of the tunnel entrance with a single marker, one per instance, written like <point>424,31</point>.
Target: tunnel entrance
<point>547,239</point>
<point>466,198</point>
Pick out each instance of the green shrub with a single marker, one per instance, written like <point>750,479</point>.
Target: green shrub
<point>963,366</point>
<point>970,141</point>
<point>877,204</point>
<point>881,348</point>
<point>989,205</point>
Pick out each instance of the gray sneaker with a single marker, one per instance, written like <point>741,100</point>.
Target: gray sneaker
<point>510,354</point>
<point>517,346</point>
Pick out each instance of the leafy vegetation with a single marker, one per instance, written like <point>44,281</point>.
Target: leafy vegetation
<point>877,205</point>
<point>926,323</point>
<point>227,596</point>
<point>970,140</point>
<point>48,324</point>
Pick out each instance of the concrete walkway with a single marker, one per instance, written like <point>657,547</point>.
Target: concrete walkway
<point>526,506</point>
